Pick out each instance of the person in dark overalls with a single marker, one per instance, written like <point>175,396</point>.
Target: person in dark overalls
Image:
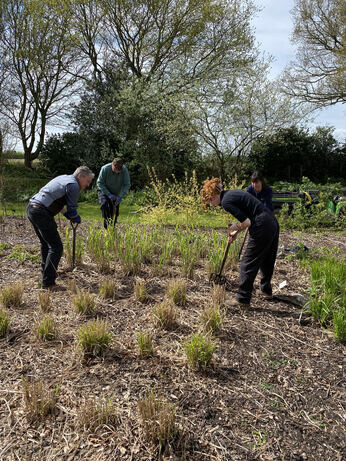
<point>259,189</point>
<point>60,192</point>
<point>113,184</point>
<point>263,241</point>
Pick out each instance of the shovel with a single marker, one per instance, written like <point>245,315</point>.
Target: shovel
<point>218,278</point>
<point>74,232</point>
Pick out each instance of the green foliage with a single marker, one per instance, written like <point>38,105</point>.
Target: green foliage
<point>211,318</point>
<point>46,329</point>
<point>176,291</point>
<point>61,154</point>
<point>165,314</point>
<point>94,337</point>
<point>199,351</point>
<point>4,323</point>
<point>108,288</point>
<point>140,291</point>
<point>20,254</point>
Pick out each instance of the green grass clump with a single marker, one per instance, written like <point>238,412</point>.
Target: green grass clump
<point>97,413</point>
<point>158,420</point>
<point>108,288</point>
<point>84,303</point>
<point>199,351</point>
<point>140,291</point>
<point>145,344</point>
<point>20,254</point>
<point>46,329</point>
<point>11,295</point>
<point>211,318</point>
<point>94,337</point>
<point>165,314</point>
<point>218,296</point>
<point>39,401</point>
<point>339,322</point>
<point>176,291</point>
<point>4,323</point>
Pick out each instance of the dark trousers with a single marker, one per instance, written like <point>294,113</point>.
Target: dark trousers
<point>260,255</point>
<point>109,210</point>
<point>51,245</point>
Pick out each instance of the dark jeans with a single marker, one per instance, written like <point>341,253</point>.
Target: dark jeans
<point>51,245</point>
<point>109,210</point>
<point>260,255</point>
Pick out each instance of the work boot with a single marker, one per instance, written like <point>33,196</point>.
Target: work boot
<point>53,288</point>
<point>235,303</point>
<point>267,295</point>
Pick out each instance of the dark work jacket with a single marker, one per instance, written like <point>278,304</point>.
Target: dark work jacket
<point>265,196</point>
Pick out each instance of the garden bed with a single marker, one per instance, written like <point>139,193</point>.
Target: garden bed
<point>274,389</point>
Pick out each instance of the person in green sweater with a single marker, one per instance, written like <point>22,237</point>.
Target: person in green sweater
<point>113,184</point>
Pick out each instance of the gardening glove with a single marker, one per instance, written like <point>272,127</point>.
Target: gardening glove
<point>76,219</point>
<point>111,197</point>
<point>71,215</point>
<point>119,199</point>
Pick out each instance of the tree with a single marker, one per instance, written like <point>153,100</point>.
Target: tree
<point>40,67</point>
<point>319,73</point>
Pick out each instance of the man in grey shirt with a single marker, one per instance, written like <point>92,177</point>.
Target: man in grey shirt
<point>113,184</point>
<point>60,192</point>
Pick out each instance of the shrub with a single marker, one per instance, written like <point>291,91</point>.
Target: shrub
<point>108,288</point>
<point>44,300</point>
<point>211,318</point>
<point>94,337</point>
<point>199,351</point>
<point>11,295</point>
<point>145,344</point>
<point>4,323</point>
<point>176,291</point>
<point>46,329</point>
<point>140,291</point>
<point>39,401</point>
<point>95,413</point>
<point>84,303</point>
<point>165,314</point>
<point>158,420</point>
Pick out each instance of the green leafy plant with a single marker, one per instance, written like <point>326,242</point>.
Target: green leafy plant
<point>94,337</point>
<point>20,254</point>
<point>84,303</point>
<point>145,344</point>
<point>199,351</point>
<point>46,329</point>
<point>176,291</point>
<point>39,400</point>
<point>165,314</point>
<point>4,323</point>
<point>158,420</point>
<point>11,295</point>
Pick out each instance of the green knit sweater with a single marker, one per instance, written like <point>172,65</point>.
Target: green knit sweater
<point>112,183</point>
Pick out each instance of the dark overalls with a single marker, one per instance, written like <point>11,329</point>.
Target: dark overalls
<point>263,241</point>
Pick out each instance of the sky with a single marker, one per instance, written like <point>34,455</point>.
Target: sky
<point>274,26</point>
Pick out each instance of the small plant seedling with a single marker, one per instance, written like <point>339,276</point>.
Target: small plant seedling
<point>158,420</point>
<point>11,295</point>
<point>145,344</point>
<point>4,323</point>
<point>94,337</point>
<point>176,291</point>
<point>108,288</point>
<point>46,329</point>
<point>199,351</point>
<point>140,291</point>
<point>44,300</point>
<point>84,303</point>
<point>165,314</point>
<point>211,318</point>
<point>39,401</point>
<point>95,413</point>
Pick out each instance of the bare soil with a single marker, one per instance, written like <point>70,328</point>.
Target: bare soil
<point>275,390</point>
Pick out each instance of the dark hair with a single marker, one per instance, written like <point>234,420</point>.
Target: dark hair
<point>258,176</point>
<point>118,163</point>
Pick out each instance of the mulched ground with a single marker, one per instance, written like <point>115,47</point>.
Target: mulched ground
<point>275,390</point>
